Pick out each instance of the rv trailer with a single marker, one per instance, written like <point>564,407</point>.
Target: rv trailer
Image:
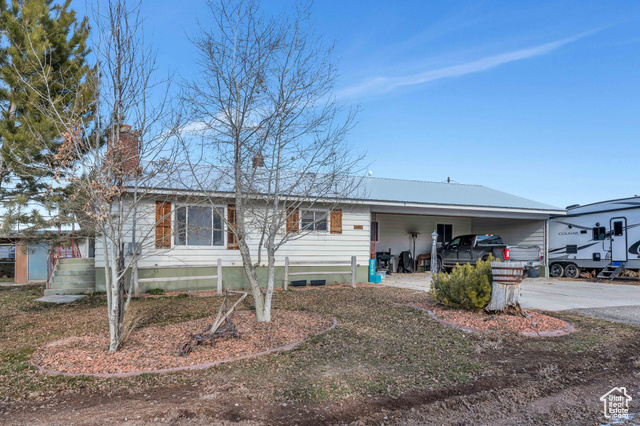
<point>604,236</point>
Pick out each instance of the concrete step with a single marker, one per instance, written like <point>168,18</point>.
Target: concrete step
<point>74,272</point>
<point>72,284</point>
<point>69,279</point>
<point>75,260</point>
<point>53,291</point>
<point>74,267</point>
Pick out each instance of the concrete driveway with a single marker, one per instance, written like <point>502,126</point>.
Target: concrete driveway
<point>615,302</point>
<point>560,295</point>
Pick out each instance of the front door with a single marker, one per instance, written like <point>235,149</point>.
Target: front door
<point>37,261</point>
<point>619,239</point>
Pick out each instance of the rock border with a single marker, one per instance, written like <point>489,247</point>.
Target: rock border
<point>204,366</point>
<point>549,333</point>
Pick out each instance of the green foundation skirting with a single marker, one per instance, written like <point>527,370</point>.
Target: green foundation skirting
<point>233,277</point>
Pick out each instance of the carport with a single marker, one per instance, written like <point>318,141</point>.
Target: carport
<point>404,211</point>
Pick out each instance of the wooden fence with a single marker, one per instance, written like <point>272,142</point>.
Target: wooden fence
<point>288,274</point>
<point>218,277</point>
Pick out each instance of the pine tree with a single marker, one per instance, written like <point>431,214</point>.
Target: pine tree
<point>41,43</point>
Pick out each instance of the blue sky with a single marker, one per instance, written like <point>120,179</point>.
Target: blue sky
<point>540,99</point>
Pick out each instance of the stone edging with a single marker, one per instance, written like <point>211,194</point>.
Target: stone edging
<point>551,333</point>
<point>288,347</point>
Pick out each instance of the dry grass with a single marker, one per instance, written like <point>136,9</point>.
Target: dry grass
<point>378,348</point>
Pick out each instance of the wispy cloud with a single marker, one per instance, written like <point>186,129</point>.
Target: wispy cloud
<point>379,85</point>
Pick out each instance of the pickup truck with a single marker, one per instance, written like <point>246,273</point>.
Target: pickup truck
<point>469,248</point>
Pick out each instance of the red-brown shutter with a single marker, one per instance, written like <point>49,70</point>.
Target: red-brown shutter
<point>293,221</point>
<point>163,224</point>
<point>232,241</point>
<point>336,222</point>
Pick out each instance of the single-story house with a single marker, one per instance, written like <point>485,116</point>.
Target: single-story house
<point>383,218</point>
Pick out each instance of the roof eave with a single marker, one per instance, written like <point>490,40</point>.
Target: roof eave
<point>502,209</point>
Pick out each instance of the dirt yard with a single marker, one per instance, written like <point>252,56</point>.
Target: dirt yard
<point>383,364</point>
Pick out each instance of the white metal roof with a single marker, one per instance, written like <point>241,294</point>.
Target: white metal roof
<point>372,191</point>
<point>452,194</point>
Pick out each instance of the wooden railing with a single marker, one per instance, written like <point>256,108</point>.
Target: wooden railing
<point>351,270</point>
<point>71,252</point>
<point>217,277</point>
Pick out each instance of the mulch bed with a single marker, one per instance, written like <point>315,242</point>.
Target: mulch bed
<point>537,324</point>
<point>156,347</point>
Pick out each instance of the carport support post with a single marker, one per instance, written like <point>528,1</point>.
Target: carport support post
<point>434,253</point>
<point>219,276</point>
<point>286,273</point>
<point>353,271</point>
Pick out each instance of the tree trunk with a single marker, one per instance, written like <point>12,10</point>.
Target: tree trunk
<point>271,279</point>
<point>504,296</point>
<point>505,289</point>
<point>252,276</point>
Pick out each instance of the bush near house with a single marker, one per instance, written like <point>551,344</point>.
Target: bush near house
<point>467,287</point>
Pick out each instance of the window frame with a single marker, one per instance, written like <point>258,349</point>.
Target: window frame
<point>452,240</point>
<point>466,241</point>
<point>481,242</point>
<point>452,232</point>
<point>615,232</point>
<point>599,233</point>
<point>327,214</point>
<point>222,210</point>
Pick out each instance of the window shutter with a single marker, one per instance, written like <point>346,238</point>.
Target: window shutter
<point>163,224</point>
<point>336,222</point>
<point>293,221</point>
<point>232,241</point>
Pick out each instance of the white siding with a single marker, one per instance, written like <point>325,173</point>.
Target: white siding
<point>513,231</point>
<point>393,231</point>
<point>318,247</point>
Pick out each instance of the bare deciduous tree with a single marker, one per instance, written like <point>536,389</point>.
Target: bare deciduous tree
<point>268,131</point>
<point>110,160</point>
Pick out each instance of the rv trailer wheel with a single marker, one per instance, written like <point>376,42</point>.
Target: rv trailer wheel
<point>556,270</point>
<point>571,271</point>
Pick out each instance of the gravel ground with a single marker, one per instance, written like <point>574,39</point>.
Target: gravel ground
<point>626,314</point>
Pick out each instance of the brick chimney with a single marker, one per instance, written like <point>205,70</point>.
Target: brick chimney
<point>127,151</point>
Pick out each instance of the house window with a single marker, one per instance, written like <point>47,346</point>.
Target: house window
<point>314,220</point>
<point>199,226</point>
<point>445,232</point>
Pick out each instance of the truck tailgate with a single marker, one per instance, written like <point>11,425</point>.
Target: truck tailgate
<point>524,253</point>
